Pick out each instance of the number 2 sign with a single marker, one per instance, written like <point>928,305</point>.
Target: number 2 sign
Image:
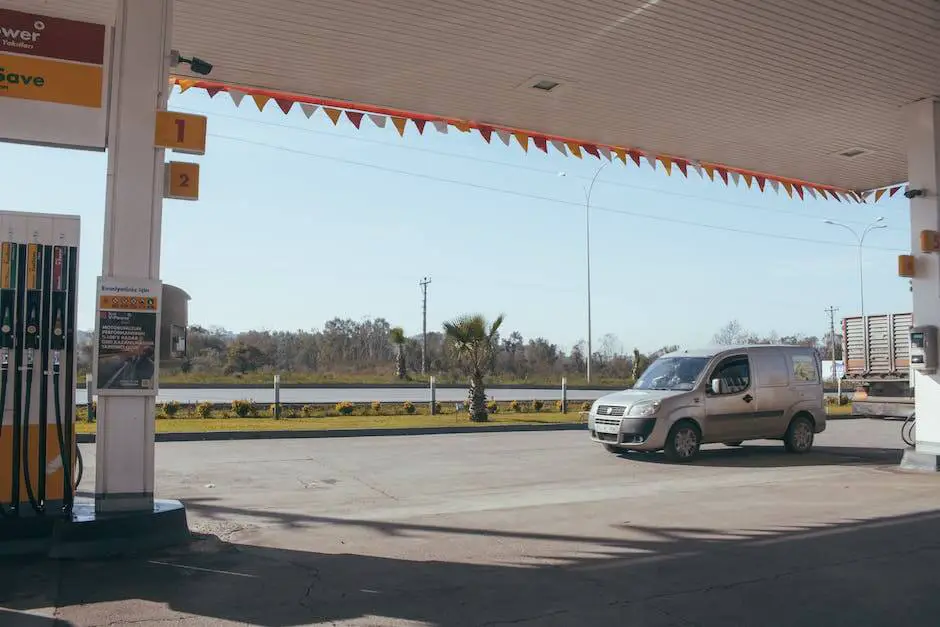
<point>182,181</point>
<point>181,132</point>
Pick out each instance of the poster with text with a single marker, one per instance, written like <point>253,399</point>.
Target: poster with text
<point>126,337</point>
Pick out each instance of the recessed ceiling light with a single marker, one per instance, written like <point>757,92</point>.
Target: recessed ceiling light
<point>546,85</point>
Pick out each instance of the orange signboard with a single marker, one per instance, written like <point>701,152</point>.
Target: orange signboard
<point>128,303</point>
<point>181,132</point>
<point>182,181</point>
<point>31,78</point>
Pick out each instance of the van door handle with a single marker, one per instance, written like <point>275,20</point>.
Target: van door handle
<point>748,398</point>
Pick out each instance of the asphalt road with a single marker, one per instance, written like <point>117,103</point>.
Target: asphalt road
<point>518,529</point>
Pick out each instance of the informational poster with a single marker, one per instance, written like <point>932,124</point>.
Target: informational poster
<point>53,80</point>
<point>127,337</point>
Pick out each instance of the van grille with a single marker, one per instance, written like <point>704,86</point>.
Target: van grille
<point>610,410</point>
<point>606,421</point>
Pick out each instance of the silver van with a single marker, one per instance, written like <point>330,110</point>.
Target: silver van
<point>719,395</point>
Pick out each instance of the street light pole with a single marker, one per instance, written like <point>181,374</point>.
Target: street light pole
<point>877,224</point>
<point>587,231</point>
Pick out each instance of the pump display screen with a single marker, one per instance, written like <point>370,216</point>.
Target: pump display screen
<point>917,339</point>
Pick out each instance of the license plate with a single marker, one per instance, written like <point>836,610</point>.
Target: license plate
<point>602,428</point>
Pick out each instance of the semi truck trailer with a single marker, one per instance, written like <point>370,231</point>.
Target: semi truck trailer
<point>876,352</point>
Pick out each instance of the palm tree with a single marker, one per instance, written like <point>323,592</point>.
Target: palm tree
<point>397,336</point>
<point>474,344</point>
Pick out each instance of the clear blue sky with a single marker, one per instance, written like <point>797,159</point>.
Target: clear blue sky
<point>300,221</point>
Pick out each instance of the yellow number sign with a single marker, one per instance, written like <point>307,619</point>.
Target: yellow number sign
<point>182,181</point>
<point>181,132</point>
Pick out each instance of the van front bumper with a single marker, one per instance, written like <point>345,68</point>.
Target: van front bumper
<point>635,433</point>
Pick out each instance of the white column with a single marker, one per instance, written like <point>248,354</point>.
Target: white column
<point>923,163</point>
<point>133,214</point>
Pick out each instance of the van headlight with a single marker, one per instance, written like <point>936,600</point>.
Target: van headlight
<point>649,408</point>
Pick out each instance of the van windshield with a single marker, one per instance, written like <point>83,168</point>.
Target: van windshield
<point>671,373</point>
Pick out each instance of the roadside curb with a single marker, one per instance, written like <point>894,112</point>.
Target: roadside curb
<point>217,436</point>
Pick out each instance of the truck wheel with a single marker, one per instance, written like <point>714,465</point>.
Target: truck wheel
<point>800,435</point>
<point>683,442</point>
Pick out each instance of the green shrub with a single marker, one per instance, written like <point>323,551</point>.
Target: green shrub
<point>537,405</point>
<point>559,406</point>
<point>516,406</point>
<point>345,408</point>
<point>287,411</point>
<point>309,411</point>
<point>409,407</point>
<point>171,409</point>
<point>843,399</point>
<point>586,406</point>
<point>492,407</point>
<point>437,408</point>
<point>376,407</point>
<point>243,409</point>
<point>204,410</point>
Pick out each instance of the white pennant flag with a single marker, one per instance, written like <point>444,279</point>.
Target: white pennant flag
<point>698,168</point>
<point>775,185</point>
<point>503,136</point>
<point>736,177</point>
<point>560,146</point>
<point>236,96</point>
<point>651,159</point>
<point>605,152</point>
<point>378,120</point>
<point>812,192</point>
<point>308,109</point>
<point>440,126</point>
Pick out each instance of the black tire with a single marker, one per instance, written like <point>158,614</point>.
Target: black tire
<point>800,435</point>
<point>683,442</point>
<point>610,448</point>
<point>908,431</point>
<point>734,443</point>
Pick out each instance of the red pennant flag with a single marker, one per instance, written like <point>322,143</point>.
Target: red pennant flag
<point>894,190</point>
<point>541,143</point>
<point>635,155</point>
<point>212,91</point>
<point>285,105</point>
<point>355,117</point>
<point>723,174</point>
<point>591,149</point>
<point>486,132</point>
<point>683,167</point>
<point>799,191</point>
<point>420,125</point>
<point>761,181</point>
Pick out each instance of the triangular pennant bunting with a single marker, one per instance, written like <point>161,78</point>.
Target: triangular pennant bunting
<point>748,178</point>
<point>789,187</point>
<point>560,146</point>
<point>605,152</point>
<point>308,109</point>
<point>894,190</point>
<point>400,125</point>
<point>667,165</point>
<point>621,154</point>
<point>185,84</point>
<point>355,117</point>
<point>378,120</point>
<point>761,181</point>
<point>799,190</point>
<point>523,140</point>
<point>419,124</point>
<point>212,91</point>
<point>710,171</point>
<point>591,149</point>
<point>812,192</point>
<point>504,136</point>
<point>333,114</point>
<point>723,174</point>
<point>260,100</point>
<point>440,126</point>
<point>236,96</point>
<point>735,178</point>
<point>574,148</point>
<point>683,166</point>
<point>651,159</point>
<point>541,143</point>
<point>635,156</point>
<point>698,168</point>
<point>462,126</point>
<point>486,132</point>
<point>775,185</point>
<point>879,194</point>
<point>284,105</point>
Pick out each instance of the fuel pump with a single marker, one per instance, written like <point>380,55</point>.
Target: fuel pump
<point>38,285</point>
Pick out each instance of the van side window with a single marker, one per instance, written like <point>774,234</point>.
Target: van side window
<point>804,369</point>
<point>734,373</point>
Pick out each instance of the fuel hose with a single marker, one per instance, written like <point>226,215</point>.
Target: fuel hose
<point>68,487</point>
<point>4,377</point>
<point>37,506</point>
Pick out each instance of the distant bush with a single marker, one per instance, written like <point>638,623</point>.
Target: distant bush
<point>204,410</point>
<point>537,405</point>
<point>409,407</point>
<point>345,408</point>
<point>492,407</point>
<point>171,409</point>
<point>437,408</point>
<point>243,409</point>
<point>559,406</point>
<point>288,412</point>
<point>585,406</point>
<point>376,407</point>
<point>309,411</point>
<point>516,406</point>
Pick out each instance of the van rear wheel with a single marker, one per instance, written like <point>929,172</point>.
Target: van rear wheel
<point>800,435</point>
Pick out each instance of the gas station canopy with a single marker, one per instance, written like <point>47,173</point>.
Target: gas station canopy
<point>810,90</point>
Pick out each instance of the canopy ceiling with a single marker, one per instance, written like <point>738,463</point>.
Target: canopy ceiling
<point>783,87</point>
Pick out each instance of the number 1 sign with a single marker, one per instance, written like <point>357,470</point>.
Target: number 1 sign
<point>181,132</point>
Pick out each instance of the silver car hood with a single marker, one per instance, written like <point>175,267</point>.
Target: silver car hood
<point>628,398</point>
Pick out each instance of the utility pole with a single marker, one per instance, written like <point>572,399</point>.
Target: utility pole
<point>424,323</point>
<point>832,338</point>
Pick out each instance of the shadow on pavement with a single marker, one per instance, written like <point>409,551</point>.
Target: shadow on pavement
<point>873,572</point>
<point>774,456</point>
<point>19,619</point>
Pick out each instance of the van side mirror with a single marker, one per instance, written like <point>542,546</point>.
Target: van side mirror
<point>716,387</point>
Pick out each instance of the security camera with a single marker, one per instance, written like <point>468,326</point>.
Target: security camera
<point>913,193</point>
<point>197,65</point>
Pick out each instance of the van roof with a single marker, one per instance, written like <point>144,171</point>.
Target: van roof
<point>711,351</point>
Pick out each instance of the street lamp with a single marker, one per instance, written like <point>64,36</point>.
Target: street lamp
<point>877,224</point>
<point>587,230</point>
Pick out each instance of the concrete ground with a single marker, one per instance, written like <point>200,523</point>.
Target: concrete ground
<point>517,529</point>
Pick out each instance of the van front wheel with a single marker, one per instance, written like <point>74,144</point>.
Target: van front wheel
<point>800,435</point>
<point>683,442</point>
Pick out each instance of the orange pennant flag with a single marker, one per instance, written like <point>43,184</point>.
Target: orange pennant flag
<point>879,194</point>
<point>789,187</point>
<point>400,125</point>
<point>463,127</point>
<point>747,179</point>
<point>574,148</point>
<point>333,114</point>
<point>523,140</point>
<point>667,163</point>
<point>260,100</point>
<point>710,171</point>
<point>185,84</point>
<point>621,154</point>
